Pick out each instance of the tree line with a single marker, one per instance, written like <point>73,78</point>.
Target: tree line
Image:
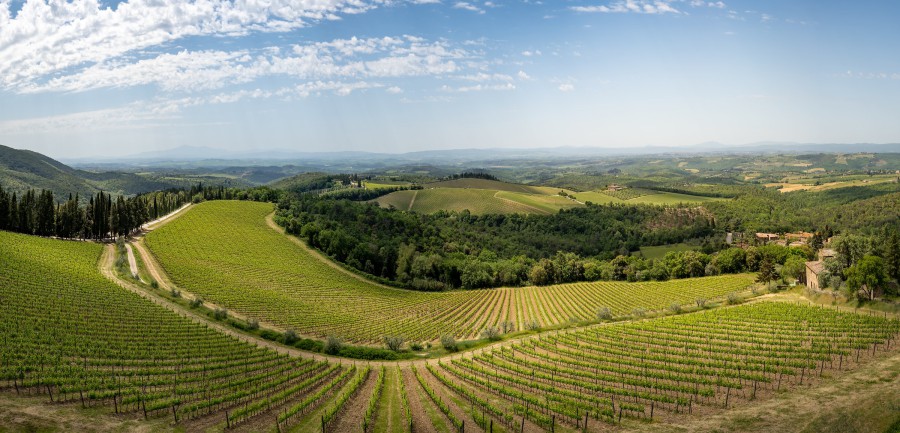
<point>103,215</point>
<point>99,216</point>
<point>449,250</point>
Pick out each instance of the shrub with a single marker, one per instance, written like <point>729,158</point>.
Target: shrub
<point>533,325</point>
<point>154,284</point>
<point>252,324</point>
<point>196,302</point>
<point>333,345</point>
<point>290,337</point>
<point>416,346</point>
<point>367,353</point>
<point>507,327</point>
<point>675,308</point>
<point>393,342</point>
<point>733,298</point>
<point>449,343</point>
<point>491,333</point>
<point>220,314</point>
<point>639,312</point>
<point>604,313</point>
<point>175,293</point>
<point>701,302</point>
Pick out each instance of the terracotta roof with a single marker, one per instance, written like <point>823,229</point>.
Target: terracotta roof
<point>816,267</point>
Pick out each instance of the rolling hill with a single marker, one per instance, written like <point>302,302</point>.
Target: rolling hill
<point>21,170</point>
<point>482,196</point>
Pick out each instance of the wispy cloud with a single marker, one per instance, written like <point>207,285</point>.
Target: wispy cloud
<point>162,111</point>
<point>468,6</point>
<point>48,37</point>
<point>192,71</point>
<point>631,6</point>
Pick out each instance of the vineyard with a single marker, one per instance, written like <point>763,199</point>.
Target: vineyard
<point>476,201</point>
<point>665,367</point>
<point>73,336</point>
<point>225,253</point>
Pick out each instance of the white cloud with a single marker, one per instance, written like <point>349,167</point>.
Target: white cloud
<point>193,71</point>
<point>161,111</point>
<point>523,76</point>
<point>468,6</point>
<point>394,90</point>
<point>478,88</point>
<point>49,36</point>
<point>531,53</point>
<point>566,87</point>
<point>631,6</point>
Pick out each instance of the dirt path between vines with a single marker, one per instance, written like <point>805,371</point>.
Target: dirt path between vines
<point>832,404</point>
<point>132,262</point>
<point>107,269</point>
<point>412,201</point>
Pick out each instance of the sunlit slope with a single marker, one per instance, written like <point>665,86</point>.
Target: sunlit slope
<point>70,333</point>
<point>224,252</point>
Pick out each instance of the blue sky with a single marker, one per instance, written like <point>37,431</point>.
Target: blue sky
<point>88,78</point>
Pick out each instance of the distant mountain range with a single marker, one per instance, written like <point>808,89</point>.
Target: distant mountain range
<point>180,156</point>
<point>180,167</point>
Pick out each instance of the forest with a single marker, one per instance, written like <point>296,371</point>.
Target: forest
<point>456,249</point>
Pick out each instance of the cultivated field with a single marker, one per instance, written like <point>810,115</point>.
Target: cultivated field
<point>225,253</point>
<point>640,196</point>
<point>665,367</point>
<point>73,336</point>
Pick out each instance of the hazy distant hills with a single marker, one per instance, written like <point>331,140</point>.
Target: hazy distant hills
<point>194,156</point>
<point>23,169</point>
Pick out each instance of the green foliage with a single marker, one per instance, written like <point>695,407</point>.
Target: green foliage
<point>333,345</point>
<point>449,248</point>
<point>767,272</point>
<point>289,337</point>
<point>394,343</point>
<point>271,278</point>
<point>794,267</point>
<point>491,333</point>
<point>129,349</point>
<point>448,342</point>
<point>867,276</point>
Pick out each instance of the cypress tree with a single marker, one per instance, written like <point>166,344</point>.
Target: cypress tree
<point>4,209</point>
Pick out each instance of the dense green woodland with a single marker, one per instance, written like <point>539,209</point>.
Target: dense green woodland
<point>447,250</point>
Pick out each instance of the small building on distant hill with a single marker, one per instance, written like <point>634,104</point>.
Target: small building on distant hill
<point>813,269</point>
<point>826,253</point>
<point>614,187</point>
<point>766,237</point>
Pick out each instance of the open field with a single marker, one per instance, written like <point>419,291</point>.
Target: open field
<point>824,183</point>
<point>225,252</point>
<point>640,196</point>
<point>658,252</point>
<point>477,201</point>
<point>495,185</point>
<point>481,196</point>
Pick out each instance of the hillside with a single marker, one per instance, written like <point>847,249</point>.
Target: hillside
<point>482,196</point>
<point>72,333</point>
<point>21,170</point>
<point>269,276</point>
